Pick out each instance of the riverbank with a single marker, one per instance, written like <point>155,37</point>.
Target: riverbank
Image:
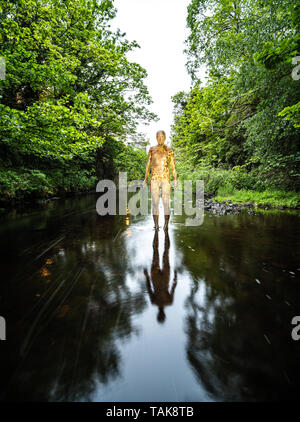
<point>242,188</point>
<point>266,199</point>
<point>234,202</point>
<point>230,207</point>
<point>26,186</point>
<point>41,181</point>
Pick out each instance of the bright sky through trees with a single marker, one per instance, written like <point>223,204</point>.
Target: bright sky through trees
<point>159,27</point>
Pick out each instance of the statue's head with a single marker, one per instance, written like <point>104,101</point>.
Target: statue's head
<point>160,137</point>
<point>161,316</point>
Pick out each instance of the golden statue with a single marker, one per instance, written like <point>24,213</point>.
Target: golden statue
<point>160,278</point>
<point>161,156</point>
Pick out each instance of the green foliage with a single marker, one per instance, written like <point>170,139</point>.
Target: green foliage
<point>246,117</point>
<point>274,198</point>
<point>69,89</point>
<point>237,178</point>
<point>28,184</point>
<point>292,113</point>
<point>131,160</point>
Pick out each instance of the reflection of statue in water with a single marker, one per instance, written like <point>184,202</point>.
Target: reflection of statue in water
<point>160,156</point>
<point>160,295</point>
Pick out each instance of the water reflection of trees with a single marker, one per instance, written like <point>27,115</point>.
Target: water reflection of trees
<point>75,308</point>
<point>229,315</point>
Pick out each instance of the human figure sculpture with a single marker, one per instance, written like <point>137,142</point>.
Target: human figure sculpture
<point>160,156</point>
<point>158,281</point>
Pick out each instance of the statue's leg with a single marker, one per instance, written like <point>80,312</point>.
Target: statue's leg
<point>155,194</point>
<point>166,188</point>
<point>155,259</point>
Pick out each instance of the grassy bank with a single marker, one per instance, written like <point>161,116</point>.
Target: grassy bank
<point>240,186</point>
<point>273,198</point>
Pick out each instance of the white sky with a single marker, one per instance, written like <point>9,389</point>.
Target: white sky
<point>159,27</point>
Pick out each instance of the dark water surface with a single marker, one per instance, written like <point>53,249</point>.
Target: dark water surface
<point>98,308</point>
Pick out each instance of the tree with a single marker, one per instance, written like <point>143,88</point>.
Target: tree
<point>249,103</point>
<point>69,85</point>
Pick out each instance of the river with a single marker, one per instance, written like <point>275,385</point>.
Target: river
<point>102,309</point>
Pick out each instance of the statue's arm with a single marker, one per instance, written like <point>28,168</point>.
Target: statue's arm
<point>148,284</point>
<point>174,284</point>
<point>173,166</point>
<point>148,165</point>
